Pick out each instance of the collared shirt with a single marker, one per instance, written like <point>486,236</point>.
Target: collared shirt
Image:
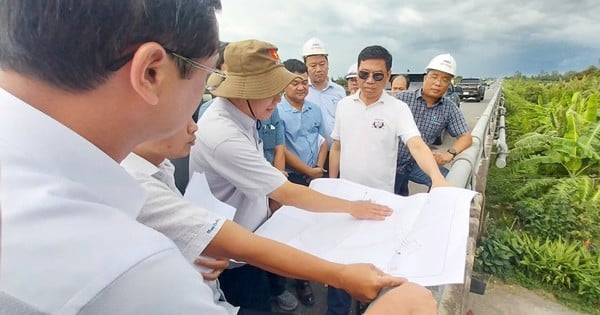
<point>369,137</point>
<point>229,152</point>
<point>431,121</point>
<point>327,100</point>
<point>302,130</point>
<point>70,242</point>
<point>191,228</point>
<point>272,134</point>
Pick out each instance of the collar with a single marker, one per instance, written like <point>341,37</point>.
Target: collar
<point>137,164</point>
<point>329,85</point>
<point>287,107</point>
<point>68,155</point>
<point>419,94</point>
<point>380,100</point>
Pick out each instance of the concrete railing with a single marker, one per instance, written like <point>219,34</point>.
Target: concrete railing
<point>469,170</point>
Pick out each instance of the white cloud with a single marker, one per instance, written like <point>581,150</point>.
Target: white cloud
<point>488,38</point>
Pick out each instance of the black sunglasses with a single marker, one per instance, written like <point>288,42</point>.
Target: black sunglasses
<point>377,76</point>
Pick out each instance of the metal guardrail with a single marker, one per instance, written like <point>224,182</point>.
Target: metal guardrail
<point>469,170</point>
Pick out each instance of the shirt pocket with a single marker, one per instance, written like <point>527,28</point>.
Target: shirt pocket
<point>269,137</point>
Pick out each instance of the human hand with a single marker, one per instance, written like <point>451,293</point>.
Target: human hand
<point>216,265</point>
<point>408,298</point>
<point>442,158</point>
<point>367,210</point>
<point>364,281</point>
<point>315,172</point>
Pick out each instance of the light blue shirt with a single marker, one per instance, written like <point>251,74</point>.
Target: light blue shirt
<point>271,133</point>
<point>302,129</point>
<point>327,100</point>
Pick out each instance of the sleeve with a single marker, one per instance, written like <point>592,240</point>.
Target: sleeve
<point>163,283</point>
<point>335,134</point>
<point>190,227</point>
<point>407,128</point>
<point>238,161</point>
<point>279,127</point>
<point>319,119</point>
<point>457,124</point>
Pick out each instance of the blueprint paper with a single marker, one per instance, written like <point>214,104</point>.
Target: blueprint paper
<point>424,240</point>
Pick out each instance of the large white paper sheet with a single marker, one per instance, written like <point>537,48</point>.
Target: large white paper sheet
<point>198,192</point>
<point>424,240</point>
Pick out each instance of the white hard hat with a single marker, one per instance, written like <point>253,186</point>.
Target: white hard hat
<point>444,63</point>
<point>352,71</point>
<point>313,46</point>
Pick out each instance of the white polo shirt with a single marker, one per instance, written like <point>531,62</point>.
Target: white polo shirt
<point>369,138</point>
<point>70,242</point>
<point>228,150</point>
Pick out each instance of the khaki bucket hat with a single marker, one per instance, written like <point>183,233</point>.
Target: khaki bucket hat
<point>254,71</point>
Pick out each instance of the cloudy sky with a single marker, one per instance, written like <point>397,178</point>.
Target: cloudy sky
<point>487,38</point>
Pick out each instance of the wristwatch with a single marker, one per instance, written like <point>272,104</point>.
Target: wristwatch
<point>453,152</point>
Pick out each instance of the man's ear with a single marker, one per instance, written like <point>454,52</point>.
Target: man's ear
<point>149,68</point>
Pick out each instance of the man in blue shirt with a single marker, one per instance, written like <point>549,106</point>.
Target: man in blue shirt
<point>306,149</point>
<point>321,90</point>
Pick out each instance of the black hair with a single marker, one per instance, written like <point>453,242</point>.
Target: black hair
<point>376,52</point>
<point>295,66</point>
<point>221,60</point>
<point>77,44</point>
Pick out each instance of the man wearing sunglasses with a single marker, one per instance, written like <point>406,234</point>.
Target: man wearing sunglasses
<point>368,127</point>
<point>433,114</point>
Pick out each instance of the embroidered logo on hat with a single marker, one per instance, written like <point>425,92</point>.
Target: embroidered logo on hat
<point>273,52</point>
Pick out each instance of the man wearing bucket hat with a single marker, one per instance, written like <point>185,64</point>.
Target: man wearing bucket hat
<point>229,152</point>
<point>433,114</point>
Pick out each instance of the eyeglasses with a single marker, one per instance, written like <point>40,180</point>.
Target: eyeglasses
<point>196,64</point>
<point>119,63</point>
<point>377,76</point>
<point>442,80</point>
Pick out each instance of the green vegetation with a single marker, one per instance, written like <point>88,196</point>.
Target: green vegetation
<point>543,226</point>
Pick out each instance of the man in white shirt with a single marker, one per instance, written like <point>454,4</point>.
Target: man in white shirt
<point>101,78</point>
<point>368,126</point>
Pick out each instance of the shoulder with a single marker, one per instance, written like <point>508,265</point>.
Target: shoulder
<point>408,96</point>
<point>338,90</point>
<point>314,108</point>
<point>217,126</point>
<point>394,103</point>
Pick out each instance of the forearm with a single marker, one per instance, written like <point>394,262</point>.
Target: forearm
<point>322,154</point>
<point>334,159</point>
<point>308,199</point>
<point>240,244</point>
<point>295,163</point>
<point>424,158</point>
<point>462,142</point>
<point>279,157</point>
